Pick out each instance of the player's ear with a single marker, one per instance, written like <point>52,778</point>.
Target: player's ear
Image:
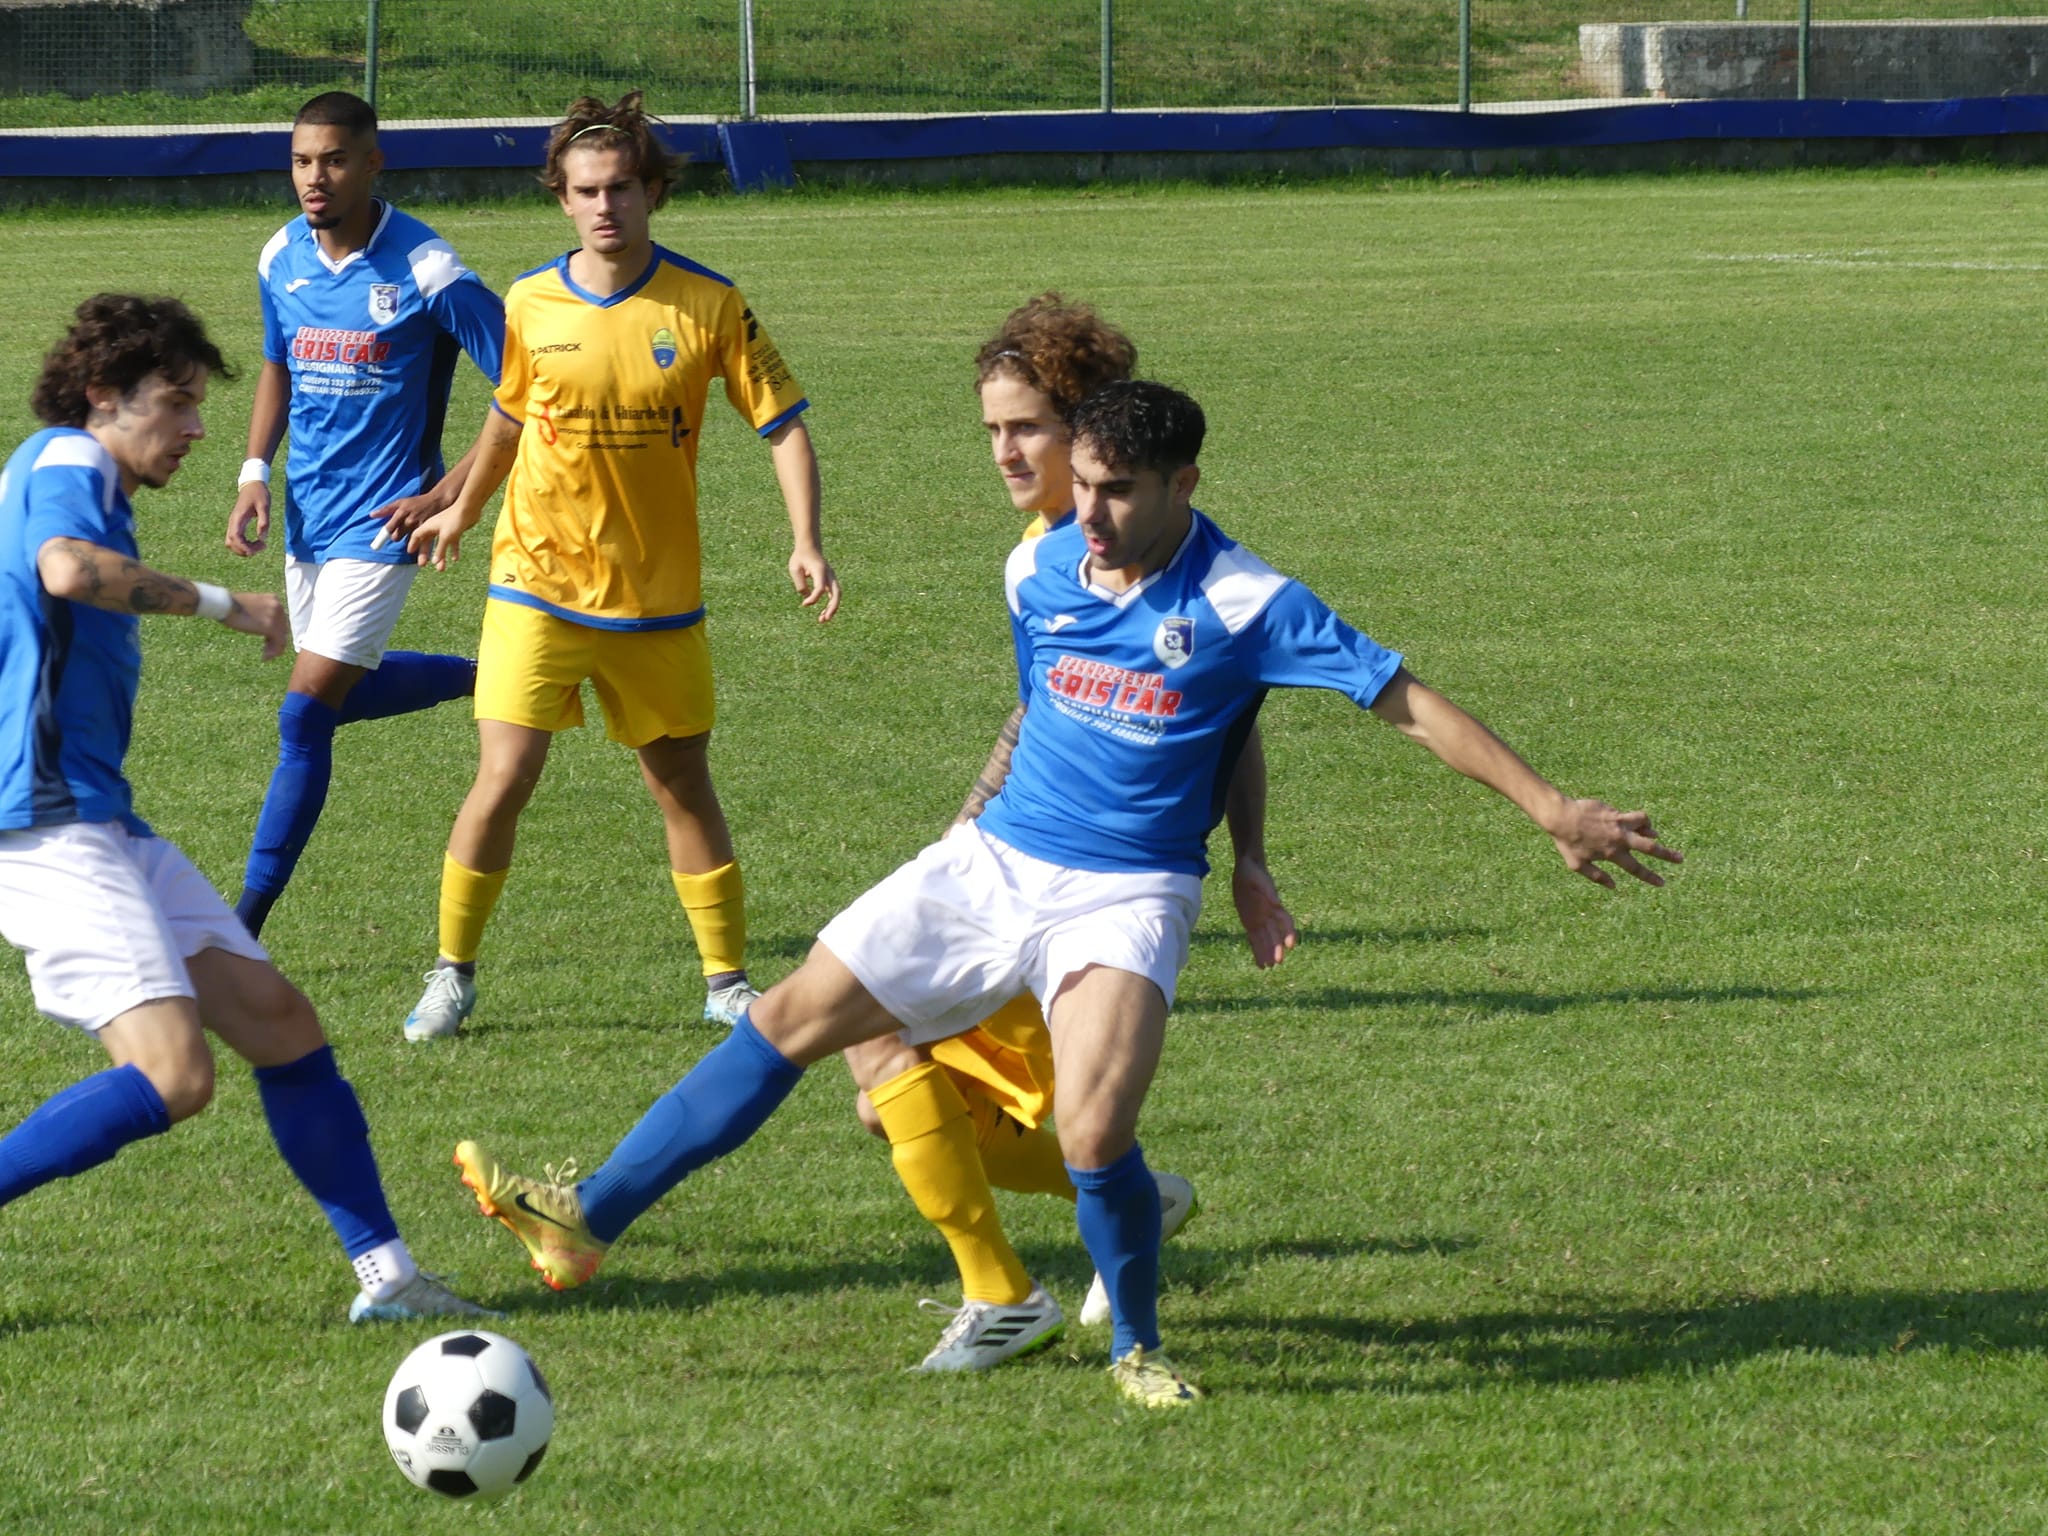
<point>374,160</point>
<point>1183,483</point>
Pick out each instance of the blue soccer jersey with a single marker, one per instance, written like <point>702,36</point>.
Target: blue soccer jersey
<point>1139,702</point>
<point>68,672</point>
<point>371,342</point>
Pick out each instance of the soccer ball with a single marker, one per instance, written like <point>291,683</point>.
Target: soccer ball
<point>468,1414</point>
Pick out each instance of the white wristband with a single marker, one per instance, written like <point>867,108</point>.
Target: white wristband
<point>253,469</point>
<point>214,602</point>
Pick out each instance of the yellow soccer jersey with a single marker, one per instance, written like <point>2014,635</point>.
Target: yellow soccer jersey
<point>600,518</point>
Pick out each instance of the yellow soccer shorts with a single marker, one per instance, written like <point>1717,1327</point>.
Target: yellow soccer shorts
<point>1008,1057</point>
<point>651,683</point>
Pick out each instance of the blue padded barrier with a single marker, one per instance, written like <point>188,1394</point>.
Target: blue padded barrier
<point>765,152</point>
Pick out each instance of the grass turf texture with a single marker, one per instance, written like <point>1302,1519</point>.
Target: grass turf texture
<point>1526,1207</point>
<point>454,58</point>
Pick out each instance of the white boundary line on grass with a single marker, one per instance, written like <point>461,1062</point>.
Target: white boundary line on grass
<point>1871,259</point>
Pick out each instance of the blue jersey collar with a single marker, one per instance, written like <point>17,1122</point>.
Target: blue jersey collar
<point>625,293</point>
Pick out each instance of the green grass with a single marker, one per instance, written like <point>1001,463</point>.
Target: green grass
<point>454,58</point>
<point>1527,1208</point>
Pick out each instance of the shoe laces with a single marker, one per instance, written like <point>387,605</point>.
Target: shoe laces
<point>563,1173</point>
<point>446,982</point>
<point>965,1317</point>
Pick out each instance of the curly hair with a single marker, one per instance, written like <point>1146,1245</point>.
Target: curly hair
<point>116,341</point>
<point>1138,424</point>
<point>1066,351</point>
<point>593,125</point>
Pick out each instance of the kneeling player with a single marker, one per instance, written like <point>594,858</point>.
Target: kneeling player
<point>124,937</point>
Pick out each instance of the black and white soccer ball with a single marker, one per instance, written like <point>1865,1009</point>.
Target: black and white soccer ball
<point>468,1415</point>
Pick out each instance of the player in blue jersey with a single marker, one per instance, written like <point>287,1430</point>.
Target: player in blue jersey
<point>365,311</point>
<point>124,939</point>
<point>1146,640</point>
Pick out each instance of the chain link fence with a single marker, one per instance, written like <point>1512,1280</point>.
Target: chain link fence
<point>149,63</point>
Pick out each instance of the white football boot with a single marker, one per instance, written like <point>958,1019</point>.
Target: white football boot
<point>986,1333</point>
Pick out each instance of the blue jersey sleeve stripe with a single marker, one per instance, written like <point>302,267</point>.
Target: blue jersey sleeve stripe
<point>785,418</point>
<point>663,253</point>
<point>594,621</point>
<point>515,420</point>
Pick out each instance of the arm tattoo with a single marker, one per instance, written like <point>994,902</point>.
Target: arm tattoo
<point>152,591</point>
<point>85,557</point>
<point>998,769</point>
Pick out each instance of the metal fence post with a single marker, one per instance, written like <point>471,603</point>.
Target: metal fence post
<point>1108,56</point>
<point>1464,55</point>
<point>370,55</point>
<point>1805,45</point>
<point>747,75</point>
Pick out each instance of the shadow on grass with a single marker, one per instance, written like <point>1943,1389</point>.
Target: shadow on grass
<point>1481,1000</point>
<point>1063,1266</point>
<point>1597,1344</point>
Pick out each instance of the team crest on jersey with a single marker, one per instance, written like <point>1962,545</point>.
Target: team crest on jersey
<point>383,302</point>
<point>665,348</point>
<point>1174,641</point>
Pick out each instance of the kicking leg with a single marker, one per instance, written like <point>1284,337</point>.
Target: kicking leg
<point>815,1012</point>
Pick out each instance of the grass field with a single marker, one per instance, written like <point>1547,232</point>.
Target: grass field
<point>453,58</point>
<point>1528,1208</point>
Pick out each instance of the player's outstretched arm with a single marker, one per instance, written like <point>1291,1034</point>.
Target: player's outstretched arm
<point>991,777</point>
<point>436,540</point>
<point>796,471</point>
<point>1588,833</point>
<point>249,523</point>
<point>400,517</point>
<point>105,578</point>
<point>1268,925</point>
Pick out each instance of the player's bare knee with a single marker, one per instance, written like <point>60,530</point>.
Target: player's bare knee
<point>1094,1140</point>
<point>183,1079</point>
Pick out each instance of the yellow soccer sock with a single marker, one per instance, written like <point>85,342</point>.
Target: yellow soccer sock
<point>1015,1156</point>
<point>467,900</point>
<point>931,1138</point>
<point>716,905</point>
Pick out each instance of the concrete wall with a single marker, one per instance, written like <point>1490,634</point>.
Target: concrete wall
<point>86,47</point>
<point>1850,60</point>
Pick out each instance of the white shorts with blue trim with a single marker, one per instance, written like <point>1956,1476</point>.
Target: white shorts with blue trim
<point>106,919</point>
<point>346,610</point>
<point>971,922</point>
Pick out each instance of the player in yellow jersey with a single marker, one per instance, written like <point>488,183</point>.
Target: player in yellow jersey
<point>610,353</point>
<point>972,1111</point>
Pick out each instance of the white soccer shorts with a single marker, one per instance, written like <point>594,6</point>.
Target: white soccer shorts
<point>106,919</point>
<point>971,922</point>
<point>346,610</point>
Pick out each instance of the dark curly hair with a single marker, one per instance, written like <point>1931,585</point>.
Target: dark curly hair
<point>117,340</point>
<point>593,125</point>
<point>1137,424</point>
<point>1066,351</point>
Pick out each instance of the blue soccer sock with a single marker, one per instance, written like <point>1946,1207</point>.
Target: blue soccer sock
<point>292,804</point>
<point>80,1128</point>
<point>725,1098</point>
<point>320,1131</point>
<point>406,681</point>
<point>1118,1209</point>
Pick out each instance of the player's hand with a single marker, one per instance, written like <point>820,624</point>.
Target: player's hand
<point>1594,832</point>
<point>258,613</point>
<point>405,514</point>
<point>437,540</point>
<point>813,577</point>
<point>252,505</point>
<point>1268,925</point>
